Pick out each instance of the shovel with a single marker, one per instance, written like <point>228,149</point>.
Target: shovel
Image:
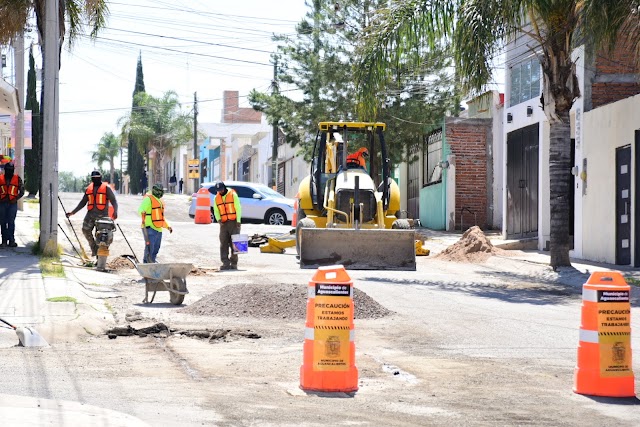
<point>28,337</point>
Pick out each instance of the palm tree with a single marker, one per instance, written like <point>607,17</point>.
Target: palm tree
<point>477,31</point>
<point>108,150</point>
<point>157,125</point>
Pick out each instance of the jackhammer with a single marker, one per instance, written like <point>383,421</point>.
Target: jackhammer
<point>104,236</point>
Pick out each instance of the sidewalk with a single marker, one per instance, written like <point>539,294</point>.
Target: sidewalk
<point>24,295</point>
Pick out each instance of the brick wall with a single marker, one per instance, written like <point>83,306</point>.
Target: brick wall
<point>232,113</point>
<point>615,76</point>
<point>467,140</point>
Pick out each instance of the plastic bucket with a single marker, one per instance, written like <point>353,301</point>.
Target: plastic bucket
<point>240,243</point>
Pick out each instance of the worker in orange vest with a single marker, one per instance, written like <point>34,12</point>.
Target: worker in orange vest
<point>228,213</point>
<point>153,221</point>
<point>11,190</point>
<point>358,159</point>
<point>97,197</point>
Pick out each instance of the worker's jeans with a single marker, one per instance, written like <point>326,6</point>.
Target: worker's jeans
<point>227,256</point>
<point>8,212</point>
<point>151,250</point>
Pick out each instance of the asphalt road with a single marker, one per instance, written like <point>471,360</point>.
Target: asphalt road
<point>469,344</point>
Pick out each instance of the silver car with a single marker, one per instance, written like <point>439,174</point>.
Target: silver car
<point>259,203</point>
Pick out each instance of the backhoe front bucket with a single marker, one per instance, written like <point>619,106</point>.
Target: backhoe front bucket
<point>363,249</point>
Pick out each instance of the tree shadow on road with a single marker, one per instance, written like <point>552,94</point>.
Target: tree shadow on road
<point>509,287</point>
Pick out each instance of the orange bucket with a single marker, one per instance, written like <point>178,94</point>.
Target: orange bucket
<point>603,365</point>
<point>329,350</point>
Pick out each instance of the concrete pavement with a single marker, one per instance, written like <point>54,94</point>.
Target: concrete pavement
<point>25,300</point>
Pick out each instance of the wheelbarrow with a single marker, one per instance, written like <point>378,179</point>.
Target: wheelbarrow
<point>170,277</point>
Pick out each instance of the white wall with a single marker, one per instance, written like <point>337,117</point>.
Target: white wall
<point>605,129</point>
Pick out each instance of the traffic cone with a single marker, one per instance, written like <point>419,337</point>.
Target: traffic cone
<point>329,350</point>
<point>603,365</point>
<point>203,207</point>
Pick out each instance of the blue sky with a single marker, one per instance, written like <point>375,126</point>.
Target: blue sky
<point>206,46</point>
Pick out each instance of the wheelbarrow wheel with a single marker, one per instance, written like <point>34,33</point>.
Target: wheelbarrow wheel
<point>179,285</point>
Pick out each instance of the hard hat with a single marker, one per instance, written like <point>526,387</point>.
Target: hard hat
<point>364,152</point>
<point>337,137</point>
<point>96,174</point>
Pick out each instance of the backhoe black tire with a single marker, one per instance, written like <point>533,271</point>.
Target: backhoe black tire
<point>302,223</point>
<point>401,224</point>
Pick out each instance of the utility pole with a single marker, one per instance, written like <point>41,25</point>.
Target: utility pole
<point>196,154</point>
<point>18,160</point>
<point>49,188</point>
<point>274,152</point>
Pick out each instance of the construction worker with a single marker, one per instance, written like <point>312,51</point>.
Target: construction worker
<point>151,211</point>
<point>358,159</point>
<point>97,196</point>
<point>228,212</point>
<point>11,190</point>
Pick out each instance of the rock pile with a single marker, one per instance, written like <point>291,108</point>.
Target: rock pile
<point>272,301</point>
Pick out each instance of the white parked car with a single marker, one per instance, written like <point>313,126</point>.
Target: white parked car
<point>259,203</point>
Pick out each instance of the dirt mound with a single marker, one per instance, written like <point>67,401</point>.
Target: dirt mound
<point>473,246</point>
<point>119,263</point>
<point>273,301</point>
<point>197,271</point>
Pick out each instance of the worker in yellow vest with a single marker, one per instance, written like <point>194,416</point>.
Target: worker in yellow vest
<point>151,211</point>
<point>228,213</point>
<point>11,189</point>
<point>97,197</point>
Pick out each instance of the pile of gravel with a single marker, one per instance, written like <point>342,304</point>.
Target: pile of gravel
<point>273,301</point>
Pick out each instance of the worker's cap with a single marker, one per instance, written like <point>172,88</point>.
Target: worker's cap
<point>157,187</point>
<point>9,166</point>
<point>96,174</point>
<point>220,186</point>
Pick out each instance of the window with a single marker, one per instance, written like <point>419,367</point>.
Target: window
<point>433,156</point>
<point>525,81</point>
<point>244,192</point>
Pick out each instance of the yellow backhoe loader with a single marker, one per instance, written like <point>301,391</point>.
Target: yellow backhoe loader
<point>347,206</point>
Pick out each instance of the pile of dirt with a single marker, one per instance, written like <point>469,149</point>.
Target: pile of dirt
<point>273,301</point>
<point>119,263</point>
<point>473,246</point>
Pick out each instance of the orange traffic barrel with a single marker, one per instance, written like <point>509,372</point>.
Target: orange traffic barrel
<point>203,207</point>
<point>329,350</point>
<point>294,218</point>
<point>603,366</point>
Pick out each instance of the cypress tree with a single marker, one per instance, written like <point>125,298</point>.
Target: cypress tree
<point>135,163</point>
<point>32,158</point>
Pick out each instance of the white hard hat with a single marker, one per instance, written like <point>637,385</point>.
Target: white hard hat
<point>337,137</point>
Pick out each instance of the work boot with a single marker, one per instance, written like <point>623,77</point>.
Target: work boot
<point>225,267</point>
<point>2,245</point>
<point>12,245</point>
<point>233,267</point>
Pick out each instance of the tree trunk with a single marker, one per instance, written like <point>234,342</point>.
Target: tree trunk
<point>559,169</point>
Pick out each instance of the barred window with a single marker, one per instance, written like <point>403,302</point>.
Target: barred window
<point>433,157</point>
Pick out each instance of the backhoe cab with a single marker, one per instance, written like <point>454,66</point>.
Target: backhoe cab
<point>346,211</point>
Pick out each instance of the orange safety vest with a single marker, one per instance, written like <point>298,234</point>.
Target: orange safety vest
<point>226,208</point>
<point>357,158</point>
<point>157,212</point>
<point>9,191</point>
<point>100,201</point>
